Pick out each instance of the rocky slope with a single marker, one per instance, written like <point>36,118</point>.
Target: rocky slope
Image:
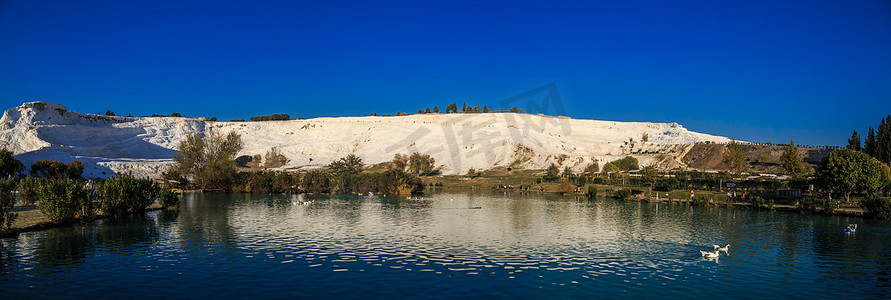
<point>143,146</point>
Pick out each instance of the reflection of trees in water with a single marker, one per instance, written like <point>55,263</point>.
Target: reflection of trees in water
<point>204,219</point>
<point>70,245</point>
<point>7,258</point>
<point>124,235</point>
<point>166,219</point>
<point>64,246</point>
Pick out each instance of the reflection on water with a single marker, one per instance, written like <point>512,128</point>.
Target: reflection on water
<point>447,246</point>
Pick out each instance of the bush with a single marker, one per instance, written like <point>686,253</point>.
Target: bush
<point>827,205</point>
<point>125,194</point>
<point>316,181</point>
<point>807,204</point>
<point>592,192</point>
<point>7,201</point>
<point>758,202</point>
<point>699,201</point>
<point>877,206</point>
<point>63,200</point>
<point>27,191</point>
<point>624,194</point>
<point>565,188</point>
<point>168,198</point>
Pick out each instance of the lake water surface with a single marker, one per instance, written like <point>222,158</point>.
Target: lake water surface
<point>479,245</point>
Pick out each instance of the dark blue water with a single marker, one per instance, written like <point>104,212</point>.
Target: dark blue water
<point>481,245</point>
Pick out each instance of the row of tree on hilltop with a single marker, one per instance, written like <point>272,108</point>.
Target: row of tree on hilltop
<point>453,108</point>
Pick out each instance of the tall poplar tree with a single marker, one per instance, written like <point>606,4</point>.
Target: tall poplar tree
<point>869,145</point>
<point>854,141</point>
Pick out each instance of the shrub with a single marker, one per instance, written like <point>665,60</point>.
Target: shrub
<point>316,181</point>
<point>827,205</point>
<point>125,194</point>
<point>27,191</point>
<point>592,192</point>
<point>7,201</point>
<point>807,204</point>
<point>699,201</point>
<point>168,198</point>
<point>877,206</point>
<point>624,194</point>
<point>758,202</point>
<point>63,200</point>
<point>565,188</point>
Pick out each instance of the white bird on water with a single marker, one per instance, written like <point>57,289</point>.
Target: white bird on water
<point>718,248</point>
<point>851,228</point>
<point>707,254</point>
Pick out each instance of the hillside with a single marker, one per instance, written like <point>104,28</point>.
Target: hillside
<point>143,146</point>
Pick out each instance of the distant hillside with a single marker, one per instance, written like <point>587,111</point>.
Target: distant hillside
<point>458,142</point>
<point>762,158</point>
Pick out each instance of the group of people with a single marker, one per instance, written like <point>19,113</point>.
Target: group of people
<point>732,196</point>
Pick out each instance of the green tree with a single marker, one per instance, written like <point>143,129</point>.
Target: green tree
<point>346,173</point>
<point>9,165</point>
<point>592,168</point>
<point>649,174</point>
<point>7,201</point>
<point>421,164</point>
<point>63,200</point>
<point>610,167</point>
<point>74,169</point>
<point>848,171</point>
<point>109,113</point>
<point>869,145</point>
<point>125,194</point>
<point>734,157</point>
<point>209,161</point>
<point>48,169</point>
<point>627,163</point>
<point>316,181</point>
<point>854,141</point>
<point>435,109</point>
<point>176,114</point>
<point>514,109</point>
<point>452,108</point>
<point>792,161</point>
<point>567,173</point>
<point>883,141</point>
<point>552,173</point>
<point>27,190</point>
<point>485,109</point>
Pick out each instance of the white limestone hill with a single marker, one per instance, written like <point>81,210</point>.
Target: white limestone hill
<point>458,142</point>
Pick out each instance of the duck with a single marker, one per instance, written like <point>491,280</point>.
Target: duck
<point>707,254</point>
<point>725,248</point>
<point>851,228</point>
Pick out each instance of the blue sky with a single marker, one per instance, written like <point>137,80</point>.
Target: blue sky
<point>766,71</point>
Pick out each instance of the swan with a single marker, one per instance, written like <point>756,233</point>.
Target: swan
<point>851,228</point>
<point>707,254</point>
<point>725,248</point>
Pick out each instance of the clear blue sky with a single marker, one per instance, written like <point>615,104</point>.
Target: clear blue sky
<point>807,70</point>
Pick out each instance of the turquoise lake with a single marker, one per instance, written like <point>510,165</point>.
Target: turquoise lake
<point>447,246</point>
